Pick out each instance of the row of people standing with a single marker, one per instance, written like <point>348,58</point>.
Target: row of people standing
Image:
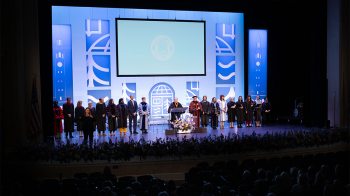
<point>219,111</point>
<point>90,118</point>
<point>248,111</point>
<point>243,111</point>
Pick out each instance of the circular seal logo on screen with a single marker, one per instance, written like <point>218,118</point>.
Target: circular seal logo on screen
<point>162,48</point>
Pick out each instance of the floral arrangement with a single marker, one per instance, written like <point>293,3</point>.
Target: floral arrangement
<point>184,125</point>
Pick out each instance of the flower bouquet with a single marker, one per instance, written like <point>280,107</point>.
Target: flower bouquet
<point>184,125</point>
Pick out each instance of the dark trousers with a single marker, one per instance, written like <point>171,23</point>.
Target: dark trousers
<point>204,120</point>
<point>132,122</point>
<point>88,135</point>
<point>68,126</point>
<point>214,121</point>
<point>70,133</point>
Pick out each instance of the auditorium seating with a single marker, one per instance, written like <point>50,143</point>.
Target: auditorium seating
<point>320,174</point>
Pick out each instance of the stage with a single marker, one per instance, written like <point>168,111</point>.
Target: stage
<point>161,131</point>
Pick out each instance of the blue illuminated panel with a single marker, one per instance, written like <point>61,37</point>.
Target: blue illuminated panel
<point>257,63</point>
<point>62,62</point>
<point>225,54</point>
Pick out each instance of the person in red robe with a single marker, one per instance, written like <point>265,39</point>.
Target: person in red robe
<point>195,109</point>
<point>57,122</point>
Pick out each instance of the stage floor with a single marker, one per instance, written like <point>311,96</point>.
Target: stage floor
<point>159,131</point>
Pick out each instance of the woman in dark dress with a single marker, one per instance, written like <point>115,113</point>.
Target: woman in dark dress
<point>239,111</point>
<point>79,113</point>
<point>266,111</point>
<point>215,112</point>
<point>112,114</point>
<point>231,111</point>
<point>122,115</point>
<point>249,108</point>
<point>101,117</point>
<point>88,125</point>
<point>258,108</point>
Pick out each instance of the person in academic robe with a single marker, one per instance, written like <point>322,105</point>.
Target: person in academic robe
<point>240,111</point>
<point>88,126</point>
<point>205,113</point>
<point>144,112</point>
<point>174,115</point>
<point>93,112</point>
<point>215,112</point>
<point>68,113</point>
<point>258,110</point>
<point>195,108</point>
<point>101,117</point>
<point>223,111</point>
<point>249,108</point>
<point>111,115</point>
<point>57,122</point>
<point>231,111</point>
<point>266,111</point>
<point>122,116</point>
<point>132,112</point>
<point>78,114</point>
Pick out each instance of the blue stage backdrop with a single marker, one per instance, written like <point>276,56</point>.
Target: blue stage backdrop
<point>257,62</point>
<point>62,62</point>
<point>93,57</point>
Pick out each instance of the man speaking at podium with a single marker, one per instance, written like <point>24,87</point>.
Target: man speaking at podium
<point>175,104</point>
<point>195,108</point>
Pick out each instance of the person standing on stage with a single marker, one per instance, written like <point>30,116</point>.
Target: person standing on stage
<point>195,109</point>
<point>266,111</point>
<point>93,112</point>
<point>101,117</point>
<point>144,111</point>
<point>132,111</point>
<point>249,108</point>
<point>205,111</point>
<point>122,116</point>
<point>239,111</point>
<point>215,112</point>
<point>58,116</point>
<point>231,111</point>
<point>68,113</point>
<point>258,108</point>
<point>223,111</point>
<point>88,125</point>
<point>79,113</point>
<point>111,114</point>
<point>174,115</point>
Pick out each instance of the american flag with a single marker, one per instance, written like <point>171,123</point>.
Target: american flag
<point>35,122</point>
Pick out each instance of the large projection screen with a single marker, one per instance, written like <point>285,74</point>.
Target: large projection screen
<point>160,47</point>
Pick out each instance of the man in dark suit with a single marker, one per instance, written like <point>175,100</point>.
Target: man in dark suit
<point>68,113</point>
<point>132,112</point>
